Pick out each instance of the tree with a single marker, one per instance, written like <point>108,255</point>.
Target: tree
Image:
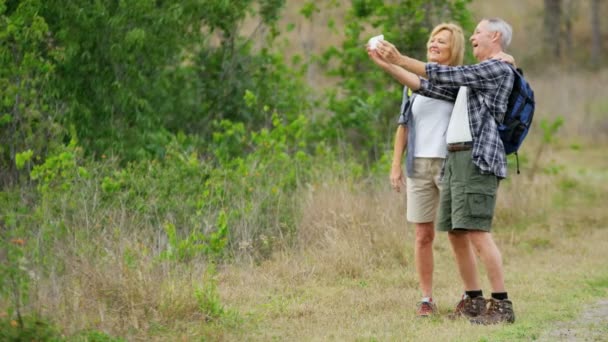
<point>113,66</point>
<point>227,71</point>
<point>132,73</point>
<point>552,27</point>
<point>29,109</point>
<point>596,36</point>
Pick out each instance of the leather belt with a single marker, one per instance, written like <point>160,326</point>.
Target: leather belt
<point>463,146</point>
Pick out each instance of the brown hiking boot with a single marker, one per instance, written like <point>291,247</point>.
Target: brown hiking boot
<point>469,307</point>
<point>425,309</point>
<point>498,311</point>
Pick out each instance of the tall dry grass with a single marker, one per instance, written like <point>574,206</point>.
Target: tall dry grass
<point>352,277</point>
<point>115,283</point>
<point>578,97</point>
<point>353,230</point>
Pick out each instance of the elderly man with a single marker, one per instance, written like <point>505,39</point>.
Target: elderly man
<point>475,163</point>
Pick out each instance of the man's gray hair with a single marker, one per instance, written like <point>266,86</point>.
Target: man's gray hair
<point>505,30</point>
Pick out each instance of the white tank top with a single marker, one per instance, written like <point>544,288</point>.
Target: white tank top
<point>431,117</point>
<point>459,129</point>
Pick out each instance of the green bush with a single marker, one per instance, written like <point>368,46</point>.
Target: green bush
<point>31,329</point>
<point>29,109</point>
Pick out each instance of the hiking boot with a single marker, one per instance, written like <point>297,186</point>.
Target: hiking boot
<point>425,309</point>
<point>469,307</point>
<point>498,311</point>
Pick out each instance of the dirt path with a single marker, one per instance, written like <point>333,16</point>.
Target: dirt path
<point>592,325</point>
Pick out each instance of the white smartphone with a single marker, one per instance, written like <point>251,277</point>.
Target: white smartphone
<point>373,41</point>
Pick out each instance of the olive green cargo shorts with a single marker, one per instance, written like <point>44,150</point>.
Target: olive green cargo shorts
<point>467,198</point>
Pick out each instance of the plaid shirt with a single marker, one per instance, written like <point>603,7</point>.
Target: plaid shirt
<point>490,83</point>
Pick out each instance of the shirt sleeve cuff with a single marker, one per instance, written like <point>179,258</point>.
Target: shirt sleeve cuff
<point>424,85</point>
<point>431,70</point>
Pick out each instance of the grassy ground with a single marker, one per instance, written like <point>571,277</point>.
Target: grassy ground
<point>351,275</point>
<point>347,288</point>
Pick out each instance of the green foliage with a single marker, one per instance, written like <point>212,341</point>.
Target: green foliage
<point>28,107</point>
<point>59,171</point>
<point>235,195</point>
<point>111,60</point>
<point>19,273</point>
<point>22,158</point>
<point>130,73</point>
<point>127,76</point>
<point>32,329</point>
<point>196,243</point>
<point>309,8</point>
<point>208,298</point>
<point>598,284</point>
<point>256,173</point>
<point>94,336</point>
<point>550,128</point>
<point>243,74</point>
<point>14,273</point>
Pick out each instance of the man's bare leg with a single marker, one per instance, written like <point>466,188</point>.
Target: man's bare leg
<point>490,257</point>
<point>465,260</point>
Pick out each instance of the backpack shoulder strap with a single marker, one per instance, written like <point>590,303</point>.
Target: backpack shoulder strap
<point>406,105</point>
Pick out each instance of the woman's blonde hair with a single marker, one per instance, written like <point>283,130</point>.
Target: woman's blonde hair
<point>457,53</point>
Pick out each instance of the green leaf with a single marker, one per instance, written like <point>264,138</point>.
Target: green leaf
<point>22,158</point>
<point>5,119</point>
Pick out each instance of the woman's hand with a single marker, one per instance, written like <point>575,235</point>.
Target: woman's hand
<point>505,57</point>
<point>388,52</point>
<point>397,179</point>
<point>376,58</point>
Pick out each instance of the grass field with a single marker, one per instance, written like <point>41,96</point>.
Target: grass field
<point>360,284</point>
<point>350,277</point>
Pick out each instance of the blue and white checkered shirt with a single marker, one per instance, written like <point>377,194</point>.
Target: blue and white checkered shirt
<point>490,83</point>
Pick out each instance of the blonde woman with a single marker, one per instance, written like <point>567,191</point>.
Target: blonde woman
<point>421,130</point>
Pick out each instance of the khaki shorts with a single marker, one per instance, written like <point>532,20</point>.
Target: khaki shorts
<point>423,190</point>
<point>468,197</point>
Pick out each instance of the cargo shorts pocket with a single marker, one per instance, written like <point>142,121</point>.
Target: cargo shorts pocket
<point>479,205</point>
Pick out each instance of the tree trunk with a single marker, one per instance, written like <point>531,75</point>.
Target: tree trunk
<point>552,27</point>
<point>569,15</point>
<point>596,48</point>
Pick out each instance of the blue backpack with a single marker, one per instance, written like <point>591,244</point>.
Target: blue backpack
<point>518,118</point>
